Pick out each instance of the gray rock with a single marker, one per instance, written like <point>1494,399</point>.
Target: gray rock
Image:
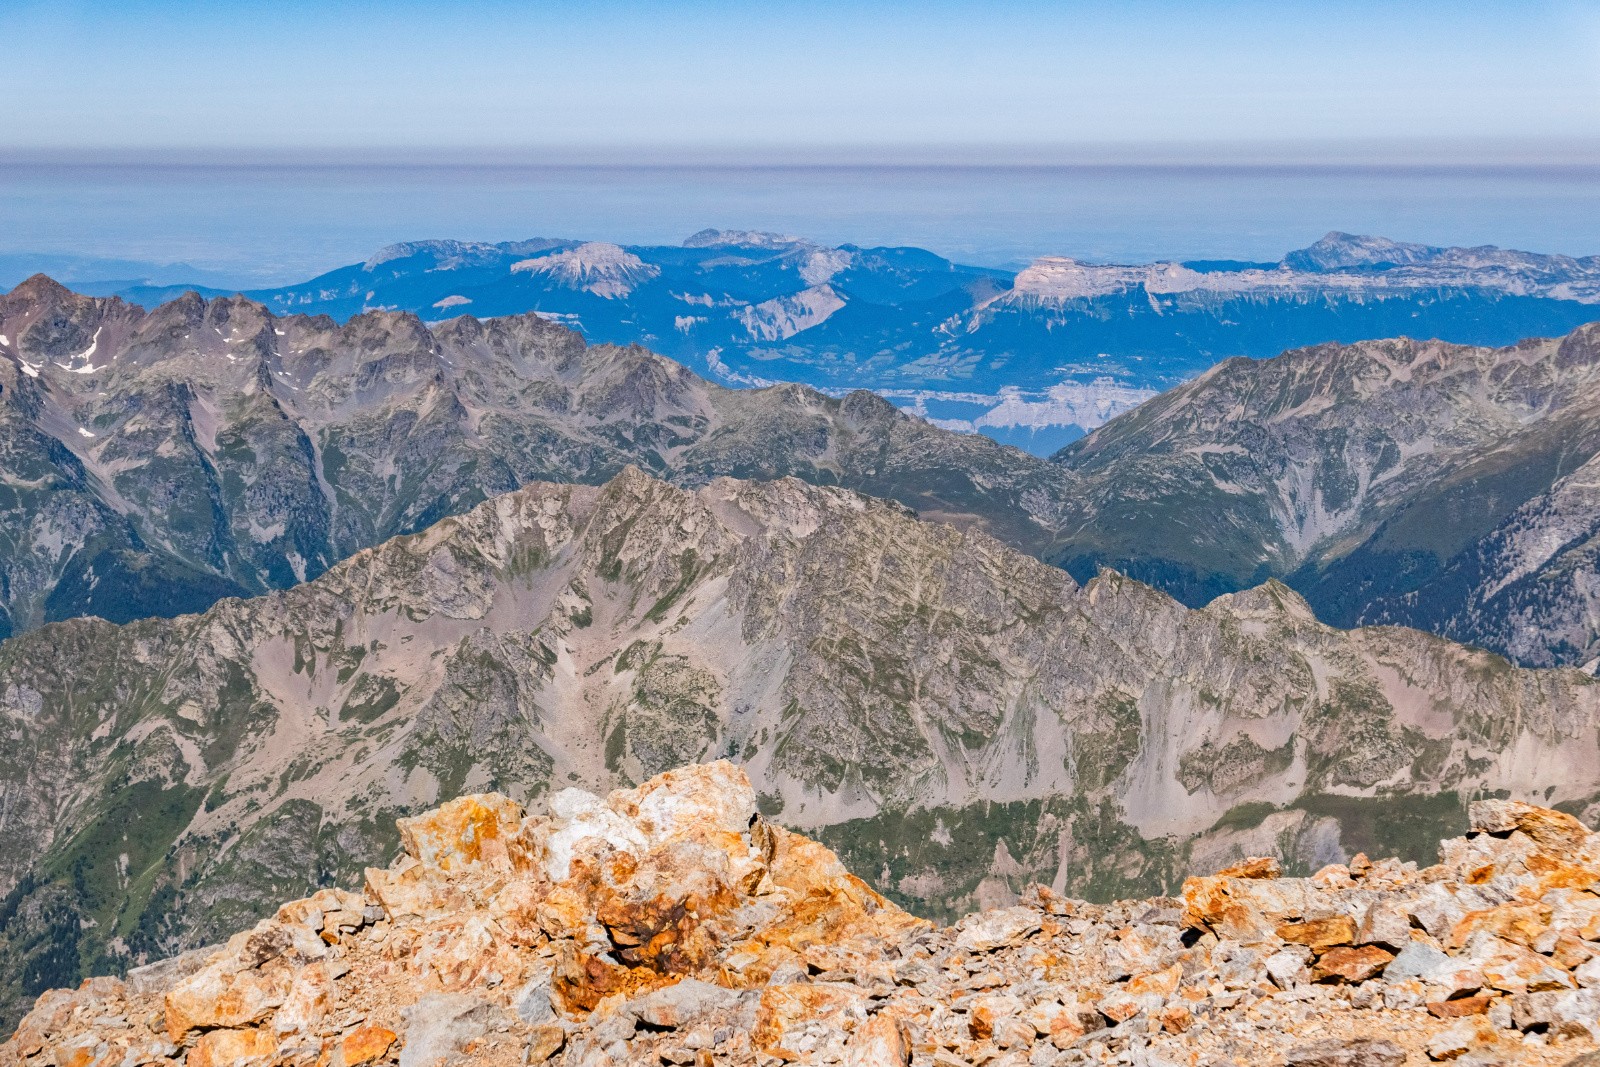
<point>439,1026</point>
<point>1418,960</point>
<point>532,1002</point>
<point>1333,1052</point>
<point>158,976</point>
<point>1385,923</point>
<point>685,1003</point>
<point>1571,1013</point>
<point>989,930</point>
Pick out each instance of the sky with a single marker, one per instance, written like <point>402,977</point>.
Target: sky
<point>409,78</point>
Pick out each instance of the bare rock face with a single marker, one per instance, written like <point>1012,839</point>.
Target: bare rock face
<point>672,924</point>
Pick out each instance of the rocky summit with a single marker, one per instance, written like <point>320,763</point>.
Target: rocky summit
<point>673,924</point>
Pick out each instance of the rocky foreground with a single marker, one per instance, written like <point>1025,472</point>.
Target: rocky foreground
<point>672,924</point>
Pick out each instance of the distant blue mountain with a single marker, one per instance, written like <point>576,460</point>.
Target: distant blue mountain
<point>1035,357</point>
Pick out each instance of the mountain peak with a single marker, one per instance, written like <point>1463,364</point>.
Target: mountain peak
<point>40,287</point>
<point>599,267</point>
<point>714,238</point>
<point>1338,250</point>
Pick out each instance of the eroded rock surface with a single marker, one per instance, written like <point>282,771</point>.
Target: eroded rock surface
<point>672,924</point>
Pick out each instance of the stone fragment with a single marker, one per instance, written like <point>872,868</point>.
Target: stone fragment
<point>881,1041</point>
<point>1521,924</point>
<point>1422,961</point>
<point>1320,933</point>
<point>1336,1052</point>
<point>233,1048</point>
<point>1575,1013</point>
<point>1587,973</point>
<point>440,1025</point>
<point>807,1019</point>
<point>1351,964</point>
<point>1384,923</point>
<point>218,996</point>
<point>545,1041</point>
<point>362,1045</point>
<point>1551,829</point>
<point>1460,1006</point>
<point>986,1011</point>
<point>411,893</point>
<point>685,1003</point>
<point>1253,867</point>
<point>467,830</point>
<point>1000,928</point>
<point>1063,1024</point>
<point>532,1002</point>
<point>1287,968</point>
<point>309,999</point>
<point>153,977</point>
<point>1119,1006</point>
<point>1462,1036</point>
<point>1404,995</point>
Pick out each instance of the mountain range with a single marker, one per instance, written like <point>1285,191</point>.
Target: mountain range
<point>155,462</point>
<point>948,714</point>
<point>1032,357</point>
<point>271,581</point>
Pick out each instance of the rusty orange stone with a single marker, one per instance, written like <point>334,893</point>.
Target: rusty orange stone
<point>365,1044</point>
<point>1522,924</point>
<point>1175,1018</point>
<point>1320,933</point>
<point>1163,982</point>
<point>1346,964</point>
<point>233,1048</point>
<point>1460,1007</point>
<point>1254,867</point>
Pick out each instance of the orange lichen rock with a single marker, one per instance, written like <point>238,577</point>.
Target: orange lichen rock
<point>671,924</point>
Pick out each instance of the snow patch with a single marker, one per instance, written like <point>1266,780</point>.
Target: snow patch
<point>84,433</point>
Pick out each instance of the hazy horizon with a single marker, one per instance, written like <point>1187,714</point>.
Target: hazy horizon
<point>260,225</point>
<point>306,76</point>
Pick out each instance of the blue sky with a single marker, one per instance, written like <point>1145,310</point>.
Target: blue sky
<point>329,76</point>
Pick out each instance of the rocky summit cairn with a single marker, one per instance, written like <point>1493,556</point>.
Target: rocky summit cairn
<point>671,924</point>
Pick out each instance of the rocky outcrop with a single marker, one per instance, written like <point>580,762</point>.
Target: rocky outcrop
<point>673,924</point>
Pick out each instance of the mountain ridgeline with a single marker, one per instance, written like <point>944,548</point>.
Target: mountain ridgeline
<point>952,716</point>
<point>155,462</point>
<point>1439,486</point>
<point>1029,356</point>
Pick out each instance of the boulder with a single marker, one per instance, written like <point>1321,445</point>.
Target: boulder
<point>439,1026</point>
<point>469,829</point>
<point>233,1048</point>
<point>879,1042</point>
<point>1550,829</point>
<point>999,928</point>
